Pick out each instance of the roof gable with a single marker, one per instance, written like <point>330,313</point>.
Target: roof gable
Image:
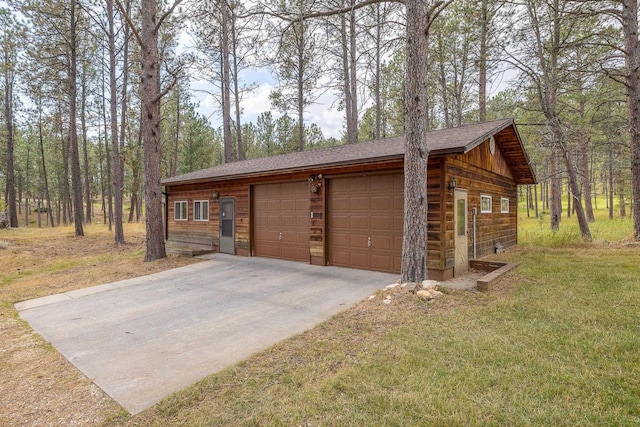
<point>441,142</point>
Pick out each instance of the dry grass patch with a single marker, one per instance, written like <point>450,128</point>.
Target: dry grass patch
<point>38,386</point>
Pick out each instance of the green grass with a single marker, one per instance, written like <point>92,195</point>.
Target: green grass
<point>536,231</point>
<point>555,343</point>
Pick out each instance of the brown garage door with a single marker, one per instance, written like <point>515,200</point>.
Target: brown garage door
<point>365,220</point>
<point>281,220</point>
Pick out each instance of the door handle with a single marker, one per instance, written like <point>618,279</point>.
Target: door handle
<point>280,236</point>
<point>368,242</point>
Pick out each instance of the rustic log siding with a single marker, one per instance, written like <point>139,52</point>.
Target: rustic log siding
<point>481,173</point>
<point>206,234</point>
<point>317,222</point>
<point>436,198</point>
<point>478,172</point>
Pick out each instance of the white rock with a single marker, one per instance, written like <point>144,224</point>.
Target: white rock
<point>386,301</point>
<point>430,284</point>
<point>391,286</point>
<point>371,297</point>
<point>424,294</point>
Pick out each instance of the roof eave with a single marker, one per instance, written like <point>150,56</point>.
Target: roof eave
<point>169,183</point>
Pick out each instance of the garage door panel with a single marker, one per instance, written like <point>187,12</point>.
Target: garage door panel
<point>339,240</point>
<point>280,218</point>
<point>363,208</point>
<point>382,203</point>
<point>340,204</point>
<point>288,220</point>
<point>382,182</point>
<point>382,223</point>
<point>382,243</point>
<point>397,244</point>
<point>359,222</point>
<point>359,204</point>
<point>302,238</point>
<point>358,241</point>
<point>339,222</point>
<point>357,184</point>
<point>381,262</point>
<point>359,259</point>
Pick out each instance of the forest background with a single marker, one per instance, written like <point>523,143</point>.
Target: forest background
<point>72,134</point>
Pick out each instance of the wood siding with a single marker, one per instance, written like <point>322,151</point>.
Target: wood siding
<point>206,234</point>
<point>478,172</point>
<point>482,173</point>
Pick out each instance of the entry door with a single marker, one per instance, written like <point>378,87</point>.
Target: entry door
<point>227,215</point>
<point>461,240</point>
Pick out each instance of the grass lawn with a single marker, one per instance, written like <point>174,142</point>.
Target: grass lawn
<point>555,343</point>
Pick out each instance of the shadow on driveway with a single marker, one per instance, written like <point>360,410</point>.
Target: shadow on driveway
<point>142,339</point>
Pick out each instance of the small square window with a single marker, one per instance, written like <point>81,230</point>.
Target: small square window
<point>504,205</point>
<point>180,211</point>
<point>485,204</point>
<point>201,210</point>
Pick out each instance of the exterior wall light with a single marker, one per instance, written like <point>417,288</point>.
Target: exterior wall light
<point>215,195</point>
<point>453,184</point>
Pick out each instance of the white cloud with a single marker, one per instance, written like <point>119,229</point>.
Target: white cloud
<point>322,113</point>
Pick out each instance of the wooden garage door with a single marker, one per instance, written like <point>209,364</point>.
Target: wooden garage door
<point>365,220</point>
<point>281,220</point>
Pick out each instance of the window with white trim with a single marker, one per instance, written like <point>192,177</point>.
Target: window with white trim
<point>485,203</point>
<point>180,211</point>
<point>504,205</point>
<point>201,210</point>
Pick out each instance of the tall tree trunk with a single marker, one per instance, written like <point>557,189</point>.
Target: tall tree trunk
<point>353,83</point>
<point>482,61</point>
<point>377,89</point>
<point>236,88</point>
<point>610,192</point>
<point>44,164</point>
<point>118,169</point>
<point>414,244</point>
<point>300,98</point>
<point>173,169</point>
<point>151,98</point>
<point>575,192</point>
<point>632,59</point>
<point>555,197</point>
<point>346,77</point>
<point>85,151</point>
<point>64,147</point>
<point>107,157</point>
<point>76,176</point>
<point>8,119</point>
<point>226,85</point>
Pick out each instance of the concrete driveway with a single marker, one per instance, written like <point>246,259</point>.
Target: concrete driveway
<point>142,339</point>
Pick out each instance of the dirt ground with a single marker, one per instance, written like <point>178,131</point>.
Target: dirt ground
<point>38,386</point>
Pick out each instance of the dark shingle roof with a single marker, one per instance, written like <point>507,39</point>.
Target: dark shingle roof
<point>444,141</point>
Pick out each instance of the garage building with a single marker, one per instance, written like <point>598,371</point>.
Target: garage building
<point>343,205</point>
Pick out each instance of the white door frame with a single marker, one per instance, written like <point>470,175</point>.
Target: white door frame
<point>461,232</point>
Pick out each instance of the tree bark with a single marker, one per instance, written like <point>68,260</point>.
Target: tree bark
<point>236,88</point>
<point>632,59</point>
<point>414,244</point>
<point>555,197</point>
<point>85,150</point>
<point>226,84</point>
<point>44,164</point>
<point>8,118</point>
<point>482,61</point>
<point>118,169</point>
<point>151,98</point>
<point>76,177</point>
